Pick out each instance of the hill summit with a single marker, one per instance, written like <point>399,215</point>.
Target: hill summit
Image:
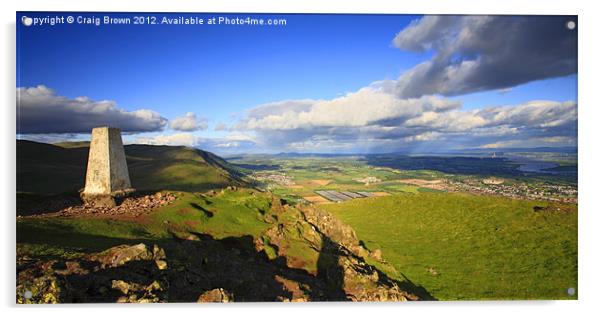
<point>61,168</point>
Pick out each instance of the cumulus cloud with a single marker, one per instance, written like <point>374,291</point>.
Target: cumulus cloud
<point>179,139</point>
<point>479,53</point>
<point>230,143</point>
<point>188,123</point>
<point>469,54</point>
<point>40,110</point>
<point>374,119</point>
<point>221,127</point>
<point>534,114</point>
<point>361,108</point>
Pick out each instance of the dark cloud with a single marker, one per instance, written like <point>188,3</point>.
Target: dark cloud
<point>480,53</point>
<point>40,111</point>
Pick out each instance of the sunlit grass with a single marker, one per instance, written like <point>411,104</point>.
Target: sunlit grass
<point>462,246</point>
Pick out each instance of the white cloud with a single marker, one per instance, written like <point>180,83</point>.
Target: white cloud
<point>188,123</point>
<point>361,108</point>
<point>232,142</point>
<point>221,127</point>
<point>179,139</point>
<point>373,118</point>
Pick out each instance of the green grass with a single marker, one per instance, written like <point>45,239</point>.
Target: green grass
<point>66,236</point>
<point>402,188</point>
<point>232,213</point>
<point>479,247</point>
<point>53,169</point>
<point>228,213</point>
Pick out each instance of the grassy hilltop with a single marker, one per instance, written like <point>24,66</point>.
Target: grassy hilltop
<point>218,240</point>
<point>61,168</point>
<point>462,246</point>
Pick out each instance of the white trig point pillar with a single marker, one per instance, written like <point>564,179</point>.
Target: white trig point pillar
<point>107,176</point>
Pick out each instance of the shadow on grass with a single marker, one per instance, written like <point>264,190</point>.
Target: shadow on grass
<point>330,269</point>
<point>194,267</point>
<point>34,204</point>
<point>410,287</point>
<point>205,212</point>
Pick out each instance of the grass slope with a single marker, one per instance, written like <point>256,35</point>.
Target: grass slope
<point>229,214</point>
<point>52,169</point>
<point>461,246</point>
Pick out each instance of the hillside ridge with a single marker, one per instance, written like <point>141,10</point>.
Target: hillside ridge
<point>60,168</point>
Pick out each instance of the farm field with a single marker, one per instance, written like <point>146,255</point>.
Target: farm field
<point>298,178</point>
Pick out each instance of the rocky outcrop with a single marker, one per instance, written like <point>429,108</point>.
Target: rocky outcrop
<point>206,270</point>
<point>120,255</point>
<point>336,230</point>
<point>341,258</point>
<point>38,284</point>
<point>305,255</point>
<point>137,293</point>
<point>125,273</point>
<point>363,282</point>
<point>215,296</point>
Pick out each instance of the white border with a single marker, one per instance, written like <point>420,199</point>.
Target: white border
<point>589,148</point>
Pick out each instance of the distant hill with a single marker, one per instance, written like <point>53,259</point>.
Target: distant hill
<point>60,168</point>
<point>73,144</point>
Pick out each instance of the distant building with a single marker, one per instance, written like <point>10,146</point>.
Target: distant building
<point>493,181</point>
<point>107,175</point>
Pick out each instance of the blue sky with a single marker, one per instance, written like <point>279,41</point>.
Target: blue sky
<point>221,70</point>
<point>221,73</point>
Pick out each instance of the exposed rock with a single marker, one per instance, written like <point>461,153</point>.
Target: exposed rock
<point>332,227</point>
<point>305,255</point>
<point>158,252</point>
<point>122,286</point>
<point>72,267</point>
<point>102,201</point>
<point>376,254</point>
<point>38,284</point>
<point>296,290</point>
<point>128,206</point>
<point>161,264</point>
<point>341,260</point>
<point>218,295</point>
<point>138,293</point>
<point>122,254</point>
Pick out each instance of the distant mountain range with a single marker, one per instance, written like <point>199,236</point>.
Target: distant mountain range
<point>461,152</point>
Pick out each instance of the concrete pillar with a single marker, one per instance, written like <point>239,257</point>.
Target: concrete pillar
<point>107,175</point>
